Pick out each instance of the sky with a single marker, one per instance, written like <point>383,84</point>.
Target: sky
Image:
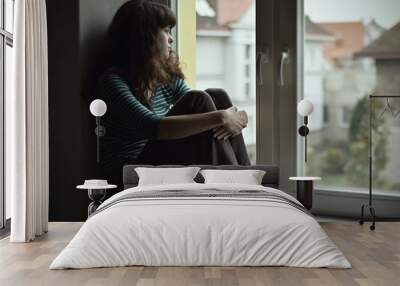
<point>385,12</point>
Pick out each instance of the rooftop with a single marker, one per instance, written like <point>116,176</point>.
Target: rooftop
<point>349,39</point>
<point>387,46</point>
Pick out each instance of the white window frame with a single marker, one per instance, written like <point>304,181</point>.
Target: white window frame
<point>173,4</point>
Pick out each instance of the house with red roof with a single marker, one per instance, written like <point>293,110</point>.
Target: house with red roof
<point>385,51</point>
<point>225,55</point>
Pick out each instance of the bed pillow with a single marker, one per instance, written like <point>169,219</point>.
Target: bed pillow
<point>163,176</point>
<point>248,177</point>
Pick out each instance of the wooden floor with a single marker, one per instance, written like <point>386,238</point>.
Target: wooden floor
<point>375,257</point>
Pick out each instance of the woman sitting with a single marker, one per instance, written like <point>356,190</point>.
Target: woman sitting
<point>153,117</point>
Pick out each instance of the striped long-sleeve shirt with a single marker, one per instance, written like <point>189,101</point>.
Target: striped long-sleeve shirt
<point>130,124</point>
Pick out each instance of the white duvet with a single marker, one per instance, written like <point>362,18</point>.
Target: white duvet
<point>200,231</point>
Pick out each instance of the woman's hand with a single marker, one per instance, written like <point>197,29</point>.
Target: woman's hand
<point>234,122</point>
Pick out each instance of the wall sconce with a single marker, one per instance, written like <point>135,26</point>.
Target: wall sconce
<point>98,108</point>
<point>305,108</point>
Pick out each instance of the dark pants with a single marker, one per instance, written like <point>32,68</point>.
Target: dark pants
<point>201,148</point>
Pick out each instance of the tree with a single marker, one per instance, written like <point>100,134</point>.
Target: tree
<point>357,170</point>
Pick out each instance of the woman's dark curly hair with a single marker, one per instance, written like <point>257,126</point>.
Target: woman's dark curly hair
<point>136,49</point>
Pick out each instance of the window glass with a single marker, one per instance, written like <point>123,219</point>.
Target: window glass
<point>247,71</point>
<point>9,11</point>
<point>225,55</point>
<point>345,116</point>
<point>247,89</point>
<point>349,51</point>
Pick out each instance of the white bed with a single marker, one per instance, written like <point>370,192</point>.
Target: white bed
<point>184,230</point>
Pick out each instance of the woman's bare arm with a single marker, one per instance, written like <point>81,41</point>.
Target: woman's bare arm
<point>181,126</point>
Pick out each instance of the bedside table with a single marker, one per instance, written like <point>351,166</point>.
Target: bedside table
<point>96,194</point>
<point>305,187</point>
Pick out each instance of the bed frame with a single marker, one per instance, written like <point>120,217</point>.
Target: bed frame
<point>270,179</point>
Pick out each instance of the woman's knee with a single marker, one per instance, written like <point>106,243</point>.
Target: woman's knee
<point>201,101</point>
<point>220,97</point>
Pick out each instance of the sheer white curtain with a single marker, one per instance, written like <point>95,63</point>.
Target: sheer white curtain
<point>27,148</point>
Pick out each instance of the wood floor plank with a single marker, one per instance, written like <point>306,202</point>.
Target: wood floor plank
<point>375,257</point>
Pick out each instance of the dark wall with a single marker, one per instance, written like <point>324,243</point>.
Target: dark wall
<point>95,17</point>
<point>75,34</point>
<point>76,42</point>
<point>65,112</point>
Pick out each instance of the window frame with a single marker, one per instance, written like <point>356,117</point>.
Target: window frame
<point>277,140</point>
<point>331,201</point>
<point>173,4</point>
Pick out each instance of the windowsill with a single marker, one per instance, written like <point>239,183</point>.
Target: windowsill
<point>358,193</point>
<point>334,219</point>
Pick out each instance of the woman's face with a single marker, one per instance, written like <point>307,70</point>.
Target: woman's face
<point>166,41</point>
